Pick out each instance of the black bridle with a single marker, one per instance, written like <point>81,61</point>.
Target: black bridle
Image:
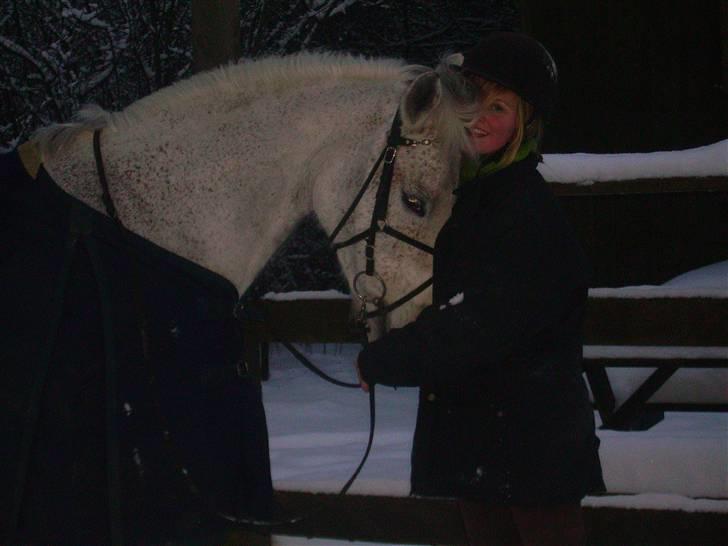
<point>379,224</point>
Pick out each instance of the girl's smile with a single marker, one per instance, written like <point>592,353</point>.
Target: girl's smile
<point>497,123</point>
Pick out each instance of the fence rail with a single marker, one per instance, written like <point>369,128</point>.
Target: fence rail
<point>665,333</point>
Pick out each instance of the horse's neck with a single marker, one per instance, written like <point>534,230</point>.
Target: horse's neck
<point>224,189</point>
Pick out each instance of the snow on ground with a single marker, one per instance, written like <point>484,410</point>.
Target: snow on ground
<point>711,276</point>
<point>318,432</point>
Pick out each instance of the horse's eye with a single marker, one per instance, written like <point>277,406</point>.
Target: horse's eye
<point>414,203</point>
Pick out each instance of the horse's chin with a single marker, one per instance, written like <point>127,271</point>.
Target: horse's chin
<point>377,328</point>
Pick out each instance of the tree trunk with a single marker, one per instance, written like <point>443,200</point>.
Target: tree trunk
<point>724,49</point>
<point>215,33</point>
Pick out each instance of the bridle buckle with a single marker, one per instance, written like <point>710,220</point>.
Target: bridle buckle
<point>389,154</point>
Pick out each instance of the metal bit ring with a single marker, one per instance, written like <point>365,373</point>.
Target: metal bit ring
<point>363,297</point>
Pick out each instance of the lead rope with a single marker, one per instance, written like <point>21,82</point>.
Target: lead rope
<point>378,223</point>
<point>372,408</point>
<point>360,328</point>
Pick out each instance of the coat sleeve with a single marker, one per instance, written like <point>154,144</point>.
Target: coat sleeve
<point>527,273</point>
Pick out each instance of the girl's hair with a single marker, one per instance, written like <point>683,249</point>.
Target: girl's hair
<point>528,126</point>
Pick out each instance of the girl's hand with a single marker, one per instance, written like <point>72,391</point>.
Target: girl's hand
<point>364,385</point>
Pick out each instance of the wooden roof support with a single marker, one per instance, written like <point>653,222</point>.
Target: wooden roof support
<point>215,33</point>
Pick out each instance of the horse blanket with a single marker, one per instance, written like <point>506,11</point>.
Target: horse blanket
<point>126,414</point>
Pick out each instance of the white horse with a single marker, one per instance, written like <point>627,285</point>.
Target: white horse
<point>220,167</point>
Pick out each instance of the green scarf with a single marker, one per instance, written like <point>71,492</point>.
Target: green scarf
<point>487,165</point>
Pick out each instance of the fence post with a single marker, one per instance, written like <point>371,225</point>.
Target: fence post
<point>215,33</point>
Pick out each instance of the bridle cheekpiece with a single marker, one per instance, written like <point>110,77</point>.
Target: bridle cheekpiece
<point>379,224</point>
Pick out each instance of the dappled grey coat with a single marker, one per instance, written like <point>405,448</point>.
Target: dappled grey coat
<point>504,413</point>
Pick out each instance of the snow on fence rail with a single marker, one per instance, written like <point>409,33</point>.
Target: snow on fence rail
<point>643,354</point>
<point>586,169</point>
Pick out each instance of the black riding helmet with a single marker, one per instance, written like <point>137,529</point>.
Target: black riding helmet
<point>518,62</point>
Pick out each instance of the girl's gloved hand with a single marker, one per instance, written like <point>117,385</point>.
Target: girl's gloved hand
<point>364,384</point>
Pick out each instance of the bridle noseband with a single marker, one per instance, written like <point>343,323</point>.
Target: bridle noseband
<point>379,224</point>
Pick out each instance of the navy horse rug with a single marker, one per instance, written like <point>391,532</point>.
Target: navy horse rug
<point>127,415</point>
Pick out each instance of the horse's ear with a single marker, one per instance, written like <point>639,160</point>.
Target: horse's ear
<point>423,95</point>
<point>454,59</point>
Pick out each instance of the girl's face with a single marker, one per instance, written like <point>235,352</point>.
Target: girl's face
<point>497,122</point>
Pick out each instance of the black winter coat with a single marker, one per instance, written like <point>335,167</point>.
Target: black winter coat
<point>504,413</point>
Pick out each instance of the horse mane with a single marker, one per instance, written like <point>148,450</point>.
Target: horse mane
<point>235,84</point>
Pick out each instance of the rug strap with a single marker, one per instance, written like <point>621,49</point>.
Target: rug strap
<point>113,467</point>
<point>106,193</point>
<point>36,395</point>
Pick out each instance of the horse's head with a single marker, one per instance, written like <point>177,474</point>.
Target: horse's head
<point>435,112</point>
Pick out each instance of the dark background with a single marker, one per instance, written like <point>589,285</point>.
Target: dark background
<point>634,76</point>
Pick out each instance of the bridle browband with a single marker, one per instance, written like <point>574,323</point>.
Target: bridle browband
<point>379,224</point>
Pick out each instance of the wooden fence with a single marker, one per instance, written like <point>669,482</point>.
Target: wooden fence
<point>648,231</point>
<point>636,232</point>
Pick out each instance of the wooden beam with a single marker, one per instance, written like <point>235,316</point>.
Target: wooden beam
<point>303,321</point>
<point>609,321</point>
<point>408,520</point>
<point>656,321</point>
<point>644,185</point>
<point>724,46</point>
<point>215,33</point>
<point>387,520</point>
